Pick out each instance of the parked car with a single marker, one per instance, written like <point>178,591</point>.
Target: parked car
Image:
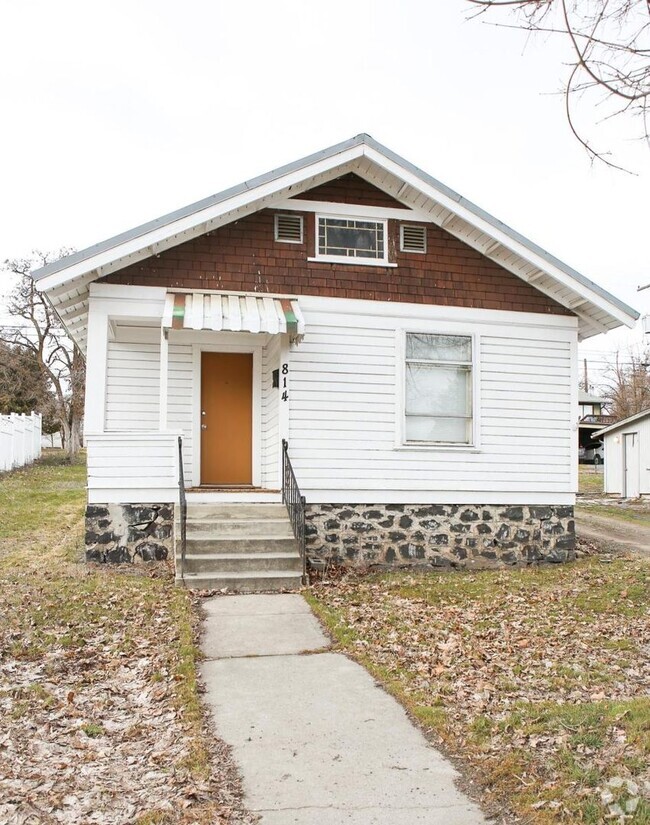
<point>591,455</point>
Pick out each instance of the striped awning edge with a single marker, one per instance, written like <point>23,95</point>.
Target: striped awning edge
<point>232,313</point>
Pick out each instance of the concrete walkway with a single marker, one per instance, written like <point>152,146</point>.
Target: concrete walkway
<point>316,740</point>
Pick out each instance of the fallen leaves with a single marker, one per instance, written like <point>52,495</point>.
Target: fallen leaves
<point>99,714</point>
<point>538,679</point>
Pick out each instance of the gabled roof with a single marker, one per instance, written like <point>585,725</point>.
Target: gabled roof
<point>623,423</point>
<point>66,281</point>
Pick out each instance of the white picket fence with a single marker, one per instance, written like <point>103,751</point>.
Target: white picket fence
<point>20,440</point>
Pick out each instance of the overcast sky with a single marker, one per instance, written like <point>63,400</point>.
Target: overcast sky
<point>115,113</point>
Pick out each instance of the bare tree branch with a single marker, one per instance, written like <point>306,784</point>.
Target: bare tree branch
<point>610,44</point>
<point>41,334</point>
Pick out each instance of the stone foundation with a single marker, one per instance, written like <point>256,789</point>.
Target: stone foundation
<point>439,535</point>
<point>118,533</point>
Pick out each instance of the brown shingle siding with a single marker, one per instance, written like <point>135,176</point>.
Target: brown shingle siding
<point>350,189</point>
<point>243,256</point>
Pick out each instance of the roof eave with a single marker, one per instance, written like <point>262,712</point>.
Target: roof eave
<point>249,186</point>
<point>623,423</point>
<point>155,236</point>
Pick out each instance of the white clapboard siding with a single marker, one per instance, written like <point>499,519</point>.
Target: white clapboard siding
<point>132,395</point>
<point>132,466</point>
<point>132,386</point>
<point>343,414</point>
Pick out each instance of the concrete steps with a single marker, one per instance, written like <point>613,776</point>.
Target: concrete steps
<point>246,548</point>
<point>246,582</point>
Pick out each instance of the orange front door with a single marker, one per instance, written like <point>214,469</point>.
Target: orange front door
<point>226,418</point>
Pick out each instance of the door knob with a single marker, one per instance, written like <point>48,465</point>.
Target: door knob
<point>204,426</point>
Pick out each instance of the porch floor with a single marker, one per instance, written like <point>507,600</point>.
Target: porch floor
<point>230,488</point>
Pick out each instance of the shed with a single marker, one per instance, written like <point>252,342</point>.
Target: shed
<point>627,456</point>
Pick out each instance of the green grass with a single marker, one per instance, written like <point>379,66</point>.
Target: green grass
<point>36,499</point>
<point>630,514</point>
<point>590,479</point>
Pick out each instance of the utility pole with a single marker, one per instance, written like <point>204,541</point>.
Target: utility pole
<point>586,378</point>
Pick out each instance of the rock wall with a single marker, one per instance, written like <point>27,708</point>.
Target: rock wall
<point>439,535</point>
<point>118,533</point>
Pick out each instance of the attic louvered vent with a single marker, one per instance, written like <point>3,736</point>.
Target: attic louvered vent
<point>413,238</point>
<point>288,228</point>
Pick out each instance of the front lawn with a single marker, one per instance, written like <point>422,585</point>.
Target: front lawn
<point>535,680</point>
<point>100,718</point>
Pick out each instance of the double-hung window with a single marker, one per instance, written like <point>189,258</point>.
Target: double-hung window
<point>438,403</point>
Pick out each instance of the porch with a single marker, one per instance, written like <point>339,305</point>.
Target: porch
<point>210,368</point>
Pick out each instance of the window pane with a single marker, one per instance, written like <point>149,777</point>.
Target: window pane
<point>454,430</point>
<point>438,347</point>
<point>437,390</point>
<point>355,239</point>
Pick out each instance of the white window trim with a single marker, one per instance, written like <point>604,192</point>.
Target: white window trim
<point>292,215</point>
<point>402,227</point>
<point>337,259</point>
<point>400,401</point>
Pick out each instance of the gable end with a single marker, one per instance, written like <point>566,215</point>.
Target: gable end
<point>245,257</point>
<point>350,189</point>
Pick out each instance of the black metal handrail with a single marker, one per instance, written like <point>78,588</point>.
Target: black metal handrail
<point>295,504</point>
<point>183,505</point>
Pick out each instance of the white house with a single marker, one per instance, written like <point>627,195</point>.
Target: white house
<point>627,456</point>
<point>417,356</point>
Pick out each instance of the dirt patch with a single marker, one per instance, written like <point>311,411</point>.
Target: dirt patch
<point>620,532</point>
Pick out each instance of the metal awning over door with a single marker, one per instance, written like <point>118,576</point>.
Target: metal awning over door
<point>233,313</point>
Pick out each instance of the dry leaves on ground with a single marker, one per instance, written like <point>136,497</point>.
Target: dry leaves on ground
<point>99,714</point>
<point>537,679</point>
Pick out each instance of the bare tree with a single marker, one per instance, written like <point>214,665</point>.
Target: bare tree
<point>610,48</point>
<point>36,328</point>
<point>626,385</point>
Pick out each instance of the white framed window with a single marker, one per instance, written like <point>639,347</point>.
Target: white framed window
<point>353,240</point>
<point>438,389</point>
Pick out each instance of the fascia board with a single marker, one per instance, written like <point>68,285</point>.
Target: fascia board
<point>617,426</point>
<point>455,206</point>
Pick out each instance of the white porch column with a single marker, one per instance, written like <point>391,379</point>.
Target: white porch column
<point>164,375</point>
<point>96,358</point>
<point>283,411</point>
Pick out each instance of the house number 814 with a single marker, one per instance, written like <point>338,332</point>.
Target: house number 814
<point>285,372</point>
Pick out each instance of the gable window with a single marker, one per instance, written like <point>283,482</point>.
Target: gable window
<point>438,389</point>
<point>351,239</point>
